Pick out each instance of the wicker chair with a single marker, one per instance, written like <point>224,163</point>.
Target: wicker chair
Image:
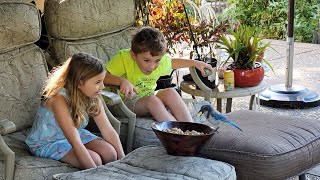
<point>268,144</point>
<point>23,70</point>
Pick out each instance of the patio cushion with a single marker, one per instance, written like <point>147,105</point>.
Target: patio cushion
<point>103,47</point>
<point>270,147</point>
<point>22,75</point>
<point>27,166</point>
<point>19,25</point>
<point>75,20</point>
<point>153,162</point>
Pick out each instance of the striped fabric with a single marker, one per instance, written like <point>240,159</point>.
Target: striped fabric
<point>270,147</point>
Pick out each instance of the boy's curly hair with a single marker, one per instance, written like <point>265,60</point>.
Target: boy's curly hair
<point>149,39</point>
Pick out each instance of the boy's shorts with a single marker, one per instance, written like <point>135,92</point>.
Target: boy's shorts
<point>130,105</point>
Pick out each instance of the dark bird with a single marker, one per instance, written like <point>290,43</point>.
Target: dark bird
<point>215,117</point>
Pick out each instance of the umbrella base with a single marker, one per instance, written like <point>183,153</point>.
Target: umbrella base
<point>296,97</point>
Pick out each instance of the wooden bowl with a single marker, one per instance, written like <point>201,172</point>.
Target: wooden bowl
<point>179,144</point>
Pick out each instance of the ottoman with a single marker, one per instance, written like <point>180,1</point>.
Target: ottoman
<point>153,162</point>
<point>270,147</point>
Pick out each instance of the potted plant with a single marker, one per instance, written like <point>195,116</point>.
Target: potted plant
<point>243,49</point>
<point>175,19</point>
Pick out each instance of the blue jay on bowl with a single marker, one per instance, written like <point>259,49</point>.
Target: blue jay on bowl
<point>215,117</point>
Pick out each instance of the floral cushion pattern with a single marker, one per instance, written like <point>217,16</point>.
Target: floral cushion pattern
<point>153,162</point>
<point>29,167</point>
<point>19,25</point>
<point>102,47</point>
<point>23,71</point>
<point>81,19</point>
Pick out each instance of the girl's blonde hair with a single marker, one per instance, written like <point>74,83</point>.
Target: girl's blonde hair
<point>80,66</point>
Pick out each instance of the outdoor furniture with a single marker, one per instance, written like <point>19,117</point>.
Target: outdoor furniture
<point>23,71</point>
<point>220,93</point>
<point>153,162</point>
<point>271,146</point>
<point>97,27</point>
<point>268,140</point>
<point>101,31</point>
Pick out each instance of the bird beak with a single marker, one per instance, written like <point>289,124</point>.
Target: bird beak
<point>199,113</point>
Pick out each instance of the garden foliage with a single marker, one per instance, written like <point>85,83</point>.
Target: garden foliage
<point>270,17</point>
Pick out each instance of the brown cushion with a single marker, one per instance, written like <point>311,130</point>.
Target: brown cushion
<point>270,147</point>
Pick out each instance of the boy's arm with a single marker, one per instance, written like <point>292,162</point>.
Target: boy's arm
<point>178,63</point>
<point>113,80</point>
<point>126,87</point>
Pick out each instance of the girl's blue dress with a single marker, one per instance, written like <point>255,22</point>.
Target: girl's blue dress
<point>46,139</point>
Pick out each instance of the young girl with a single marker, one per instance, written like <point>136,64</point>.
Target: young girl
<point>70,95</point>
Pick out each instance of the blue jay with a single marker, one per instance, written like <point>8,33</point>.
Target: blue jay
<point>215,117</point>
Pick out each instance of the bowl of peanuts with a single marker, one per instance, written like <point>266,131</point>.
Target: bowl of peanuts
<point>182,138</point>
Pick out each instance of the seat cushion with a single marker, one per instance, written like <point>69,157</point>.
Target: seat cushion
<point>153,162</point>
<point>270,147</point>
<point>28,166</point>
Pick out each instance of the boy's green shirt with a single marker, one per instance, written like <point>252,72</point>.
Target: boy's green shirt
<point>124,66</point>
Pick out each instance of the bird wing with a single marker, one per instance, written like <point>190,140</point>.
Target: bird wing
<point>220,117</point>
<point>233,124</point>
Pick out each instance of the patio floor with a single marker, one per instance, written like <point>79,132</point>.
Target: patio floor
<point>306,72</point>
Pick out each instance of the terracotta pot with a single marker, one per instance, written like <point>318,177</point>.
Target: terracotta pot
<point>248,77</point>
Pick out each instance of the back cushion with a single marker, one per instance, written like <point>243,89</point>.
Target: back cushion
<point>81,19</point>
<point>19,25</point>
<point>103,47</point>
<point>22,64</point>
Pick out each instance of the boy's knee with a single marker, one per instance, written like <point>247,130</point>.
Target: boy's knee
<point>169,93</point>
<point>172,91</point>
<point>153,100</point>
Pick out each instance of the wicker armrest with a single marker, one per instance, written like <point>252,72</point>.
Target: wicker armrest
<point>207,91</point>
<point>115,99</point>
<point>6,127</point>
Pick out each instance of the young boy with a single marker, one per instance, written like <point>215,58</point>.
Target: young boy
<point>137,70</point>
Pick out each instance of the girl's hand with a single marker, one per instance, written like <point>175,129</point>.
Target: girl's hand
<point>201,66</point>
<point>128,89</point>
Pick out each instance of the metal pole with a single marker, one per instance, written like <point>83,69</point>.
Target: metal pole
<point>290,47</point>
<point>288,95</point>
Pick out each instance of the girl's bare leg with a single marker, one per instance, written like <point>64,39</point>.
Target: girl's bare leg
<point>72,159</point>
<point>104,149</point>
<point>171,99</point>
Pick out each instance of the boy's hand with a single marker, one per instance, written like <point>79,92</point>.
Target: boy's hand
<point>128,89</point>
<point>201,66</point>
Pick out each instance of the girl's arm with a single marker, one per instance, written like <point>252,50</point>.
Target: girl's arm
<point>178,63</point>
<point>108,132</point>
<point>58,105</point>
